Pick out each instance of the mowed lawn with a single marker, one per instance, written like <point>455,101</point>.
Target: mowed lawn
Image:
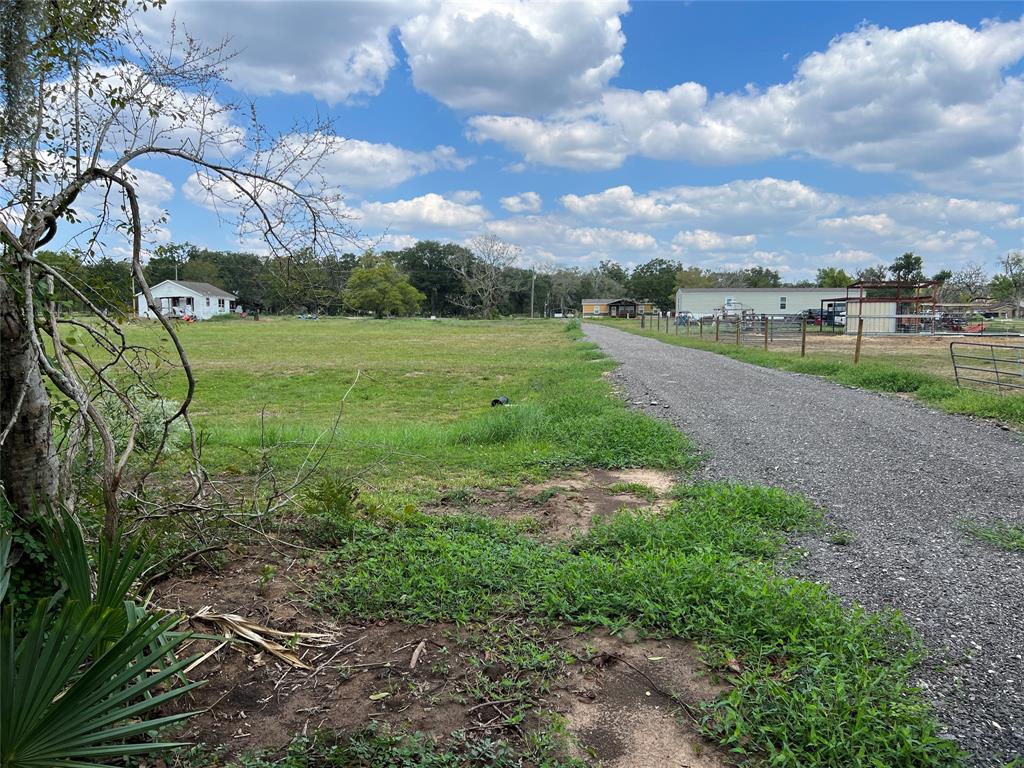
<point>418,415</point>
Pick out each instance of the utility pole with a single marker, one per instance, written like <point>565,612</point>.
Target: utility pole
<point>533,283</point>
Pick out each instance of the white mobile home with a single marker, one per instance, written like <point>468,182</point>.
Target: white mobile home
<point>721,302</point>
<point>178,298</point>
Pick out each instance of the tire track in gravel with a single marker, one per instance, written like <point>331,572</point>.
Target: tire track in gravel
<point>903,479</point>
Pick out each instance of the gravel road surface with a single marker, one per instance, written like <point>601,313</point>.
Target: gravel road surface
<point>902,479</point>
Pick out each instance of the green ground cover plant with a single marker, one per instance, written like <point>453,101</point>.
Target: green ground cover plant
<point>813,684</point>
<point>640,490</point>
<point>1004,535</point>
<point>419,417</point>
<point>878,376</point>
<point>377,745</point>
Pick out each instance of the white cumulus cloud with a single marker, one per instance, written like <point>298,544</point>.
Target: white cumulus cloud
<point>706,240</point>
<point>937,101</point>
<point>515,56</point>
<point>526,202</point>
<point>426,211</point>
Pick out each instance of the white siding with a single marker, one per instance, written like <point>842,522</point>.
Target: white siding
<point>203,307</point>
<point>769,301</point>
<point>879,316</point>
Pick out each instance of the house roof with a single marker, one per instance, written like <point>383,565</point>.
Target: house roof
<point>611,301</point>
<point>203,289</point>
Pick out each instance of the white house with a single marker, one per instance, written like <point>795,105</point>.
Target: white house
<point>178,298</point>
<point>720,302</point>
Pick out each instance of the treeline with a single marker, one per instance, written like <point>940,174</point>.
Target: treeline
<point>446,279</point>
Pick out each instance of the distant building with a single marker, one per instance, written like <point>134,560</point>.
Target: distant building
<point>616,308</point>
<point>178,298</point>
<point>725,302</point>
<point>890,306</point>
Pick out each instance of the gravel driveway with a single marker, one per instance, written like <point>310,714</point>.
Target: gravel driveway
<point>902,478</point>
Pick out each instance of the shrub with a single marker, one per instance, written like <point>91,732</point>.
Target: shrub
<point>81,675</point>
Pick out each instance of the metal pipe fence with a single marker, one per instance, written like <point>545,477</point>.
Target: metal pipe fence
<point>985,367</point>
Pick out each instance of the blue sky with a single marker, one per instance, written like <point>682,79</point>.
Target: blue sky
<point>789,135</point>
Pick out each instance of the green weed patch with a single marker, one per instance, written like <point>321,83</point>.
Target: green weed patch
<point>1003,535</point>
<point>377,746</point>
<point>816,685</point>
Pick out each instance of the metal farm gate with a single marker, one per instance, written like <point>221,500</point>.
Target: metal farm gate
<point>983,367</point>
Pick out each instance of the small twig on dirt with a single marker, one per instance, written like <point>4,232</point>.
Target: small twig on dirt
<point>204,657</point>
<point>686,706</point>
<point>281,679</point>
<point>349,645</point>
<point>494,704</point>
<point>417,653</point>
<point>508,719</point>
<point>223,696</point>
<point>485,726</point>
<point>156,577</point>
<point>371,665</point>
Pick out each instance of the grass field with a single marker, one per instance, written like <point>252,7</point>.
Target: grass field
<point>418,416</point>
<point>917,366</point>
<point>810,683</point>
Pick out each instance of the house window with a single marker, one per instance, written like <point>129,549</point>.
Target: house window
<point>220,303</point>
<point>782,302</point>
<point>207,301</point>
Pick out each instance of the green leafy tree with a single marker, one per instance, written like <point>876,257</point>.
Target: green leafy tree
<point>613,272</point>
<point>876,274</point>
<point>833,277</point>
<point>242,273</point>
<point>110,283</point>
<point>167,262</point>
<point>655,281</point>
<point>200,270</point>
<point>907,268</point>
<point>377,286</point>
<point>428,265</point>
<point>1009,286</point>
<point>695,277</point>
<point>761,277</point>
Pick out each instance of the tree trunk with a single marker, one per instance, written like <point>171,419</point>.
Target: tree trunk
<point>28,461</point>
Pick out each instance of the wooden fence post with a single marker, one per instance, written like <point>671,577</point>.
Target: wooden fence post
<point>738,330</point>
<point>641,321</point>
<point>700,324</point>
<point>718,323</point>
<point>766,321</point>
<point>803,338</point>
<point>860,336</point>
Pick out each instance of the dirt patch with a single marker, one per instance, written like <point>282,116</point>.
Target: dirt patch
<point>627,715</point>
<point>564,507</point>
<point>611,690</point>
